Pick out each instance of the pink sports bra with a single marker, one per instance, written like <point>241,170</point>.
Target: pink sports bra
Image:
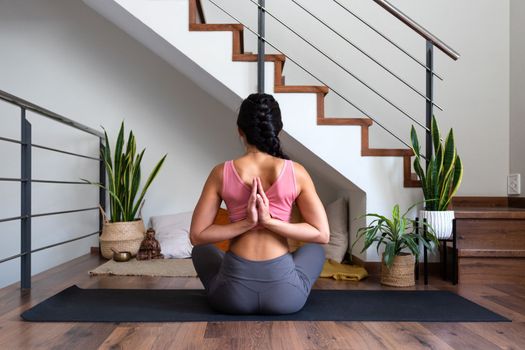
<point>281,194</point>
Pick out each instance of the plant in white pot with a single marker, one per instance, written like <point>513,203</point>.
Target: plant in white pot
<point>440,180</point>
<point>124,231</point>
<point>399,236</point>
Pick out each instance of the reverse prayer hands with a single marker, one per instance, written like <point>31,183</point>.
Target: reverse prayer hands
<point>263,204</point>
<point>251,209</point>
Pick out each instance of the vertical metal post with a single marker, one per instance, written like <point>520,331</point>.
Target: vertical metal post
<point>444,263</point>
<point>454,253</point>
<point>425,253</point>
<point>102,191</point>
<point>260,48</point>
<point>430,97</point>
<point>25,200</point>
<point>416,272</point>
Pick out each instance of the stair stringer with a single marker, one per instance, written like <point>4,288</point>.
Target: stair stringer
<point>206,58</point>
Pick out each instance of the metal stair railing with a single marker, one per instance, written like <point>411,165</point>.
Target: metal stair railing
<point>261,73</point>
<point>431,41</point>
<point>26,180</point>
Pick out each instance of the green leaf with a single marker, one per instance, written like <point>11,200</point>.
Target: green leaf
<point>395,212</point>
<point>458,176</point>
<point>436,137</point>
<point>421,174</point>
<point>389,254</point>
<point>150,179</point>
<point>450,153</point>
<point>412,245</point>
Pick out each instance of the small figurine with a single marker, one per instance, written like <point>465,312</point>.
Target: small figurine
<point>150,247</point>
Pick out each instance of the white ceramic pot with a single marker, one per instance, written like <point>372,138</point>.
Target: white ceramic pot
<point>441,221</point>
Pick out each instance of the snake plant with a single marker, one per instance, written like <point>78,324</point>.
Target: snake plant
<point>124,175</point>
<point>397,234</point>
<point>444,170</point>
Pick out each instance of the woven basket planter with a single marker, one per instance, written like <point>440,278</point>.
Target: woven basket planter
<point>121,236</point>
<point>401,273</point>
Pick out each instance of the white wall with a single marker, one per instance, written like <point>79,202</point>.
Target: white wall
<point>474,94</point>
<point>517,89</point>
<point>65,57</point>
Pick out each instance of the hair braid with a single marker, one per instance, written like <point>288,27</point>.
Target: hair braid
<point>260,120</point>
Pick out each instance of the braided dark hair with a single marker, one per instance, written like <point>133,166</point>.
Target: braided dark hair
<point>260,120</point>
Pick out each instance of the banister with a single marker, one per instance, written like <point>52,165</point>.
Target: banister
<point>418,28</point>
<point>7,97</point>
<point>259,37</point>
<point>26,180</point>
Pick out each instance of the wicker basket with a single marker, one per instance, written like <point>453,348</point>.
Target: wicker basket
<point>401,273</point>
<point>121,236</point>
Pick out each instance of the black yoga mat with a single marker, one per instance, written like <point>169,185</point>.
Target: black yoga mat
<point>182,305</point>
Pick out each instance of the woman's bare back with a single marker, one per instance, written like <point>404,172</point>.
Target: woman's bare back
<point>259,243</point>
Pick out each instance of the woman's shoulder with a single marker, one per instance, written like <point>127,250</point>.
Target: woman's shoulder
<point>298,168</point>
<point>217,170</point>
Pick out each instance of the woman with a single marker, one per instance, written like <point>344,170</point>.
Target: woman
<point>258,274</point>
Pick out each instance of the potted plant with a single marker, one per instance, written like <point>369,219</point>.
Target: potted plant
<point>398,235</point>
<point>123,230</point>
<point>440,180</point>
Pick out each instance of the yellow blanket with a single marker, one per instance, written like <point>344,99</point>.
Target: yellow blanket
<point>343,272</point>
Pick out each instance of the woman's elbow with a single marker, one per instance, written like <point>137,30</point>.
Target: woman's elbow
<point>194,240</point>
<point>324,237</point>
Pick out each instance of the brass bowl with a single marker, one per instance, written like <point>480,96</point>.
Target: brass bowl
<point>121,256</point>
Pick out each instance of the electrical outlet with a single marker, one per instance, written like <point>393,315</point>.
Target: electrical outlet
<point>514,184</point>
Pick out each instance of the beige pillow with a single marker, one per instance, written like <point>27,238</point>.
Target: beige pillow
<point>337,213</point>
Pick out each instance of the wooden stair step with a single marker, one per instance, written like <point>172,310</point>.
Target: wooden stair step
<point>496,270</point>
<point>386,152</point>
<point>344,121</point>
<point>490,213</point>
<point>218,27</point>
<point>250,57</point>
<point>301,89</point>
<point>491,253</point>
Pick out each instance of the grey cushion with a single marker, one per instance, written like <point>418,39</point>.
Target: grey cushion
<point>337,213</point>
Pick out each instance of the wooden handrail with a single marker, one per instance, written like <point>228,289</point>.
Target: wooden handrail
<point>418,28</point>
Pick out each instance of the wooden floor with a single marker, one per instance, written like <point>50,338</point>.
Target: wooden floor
<point>506,299</point>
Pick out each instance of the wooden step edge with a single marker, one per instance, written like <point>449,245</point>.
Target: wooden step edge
<point>490,213</point>
<point>249,57</point>
<point>301,89</point>
<point>385,152</point>
<point>216,27</point>
<point>278,78</point>
<point>344,121</point>
<point>491,253</point>
<point>366,151</point>
<point>410,180</point>
<point>459,202</point>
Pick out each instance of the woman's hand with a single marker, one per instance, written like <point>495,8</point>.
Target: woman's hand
<point>263,204</point>
<point>251,209</point>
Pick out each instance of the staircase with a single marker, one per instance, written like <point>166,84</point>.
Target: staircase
<point>196,18</point>
<point>213,56</point>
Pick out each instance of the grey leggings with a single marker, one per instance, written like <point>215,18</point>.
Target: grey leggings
<point>240,286</point>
